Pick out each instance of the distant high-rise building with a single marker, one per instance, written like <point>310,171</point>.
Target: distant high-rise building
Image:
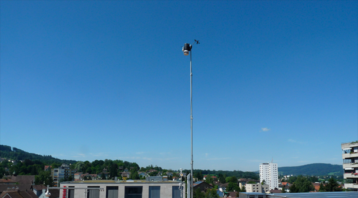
<point>62,172</point>
<point>269,173</point>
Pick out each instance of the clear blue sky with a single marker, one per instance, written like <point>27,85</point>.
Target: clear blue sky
<point>90,80</point>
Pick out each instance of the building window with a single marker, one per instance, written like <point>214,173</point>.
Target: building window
<point>154,191</point>
<point>93,193</point>
<point>71,192</point>
<point>112,192</point>
<point>347,161</point>
<point>133,192</point>
<point>175,192</point>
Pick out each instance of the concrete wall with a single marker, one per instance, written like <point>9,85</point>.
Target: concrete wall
<point>165,189</point>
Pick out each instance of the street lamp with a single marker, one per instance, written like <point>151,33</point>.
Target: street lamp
<point>187,50</point>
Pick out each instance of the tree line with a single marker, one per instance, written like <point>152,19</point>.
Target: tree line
<point>198,173</point>
<point>18,154</point>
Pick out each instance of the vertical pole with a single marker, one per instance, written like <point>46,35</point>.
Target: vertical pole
<point>191,120</point>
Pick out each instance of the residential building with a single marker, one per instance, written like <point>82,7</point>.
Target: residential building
<point>269,173</point>
<point>7,182</point>
<point>244,181</point>
<point>104,174</point>
<point>350,164</point>
<point>203,186</point>
<point>214,177</point>
<point>88,176</point>
<point>220,193</point>
<point>18,194</point>
<point>39,190</point>
<point>47,167</point>
<point>222,187</point>
<point>62,172</point>
<point>20,182</point>
<point>78,176</point>
<point>126,174</point>
<point>257,188</point>
<point>143,174</point>
<point>124,189</point>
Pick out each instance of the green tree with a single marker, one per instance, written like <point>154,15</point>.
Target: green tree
<point>263,182</point>
<point>55,165</point>
<point>135,175</point>
<point>332,185</point>
<point>209,180</point>
<point>233,179</point>
<point>293,188</point>
<point>44,177</point>
<point>211,193</point>
<point>198,194</point>
<point>302,184</point>
<point>321,187</point>
<point>221,178</point>
<point>78,166</point>
<point>200,175</point>
<point>283,189</point>
<point>113,170</point>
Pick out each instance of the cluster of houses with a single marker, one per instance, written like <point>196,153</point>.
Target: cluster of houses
<point>22,186</point>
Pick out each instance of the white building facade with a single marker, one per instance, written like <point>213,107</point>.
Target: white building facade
<point>257,188</point>
<point>269,173</point>
<point>123,189</point>
<point>350,165</point>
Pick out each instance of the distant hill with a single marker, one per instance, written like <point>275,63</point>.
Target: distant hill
<point>18,154</point>
<point>312,169</point>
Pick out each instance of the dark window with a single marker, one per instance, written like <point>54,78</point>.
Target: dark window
<point>133,192</point>
<point>154,191</point>
<point>71,192</point>
<point>93,193</point>
<point>175,192</point>
<point>112,192</point>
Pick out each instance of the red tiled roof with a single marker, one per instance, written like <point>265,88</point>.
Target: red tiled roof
<point>316,186</point>
<point>7,181</point>
<point>18,194</point>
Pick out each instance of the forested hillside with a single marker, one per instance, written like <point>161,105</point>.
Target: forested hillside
<point>237,174</point>
<point>18,154</point>
<point>312,169</point>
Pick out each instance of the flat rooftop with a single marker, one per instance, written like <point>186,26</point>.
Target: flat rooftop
<point>115,182</point>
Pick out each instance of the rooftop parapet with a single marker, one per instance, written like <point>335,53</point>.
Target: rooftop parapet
<point>349,145</point>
